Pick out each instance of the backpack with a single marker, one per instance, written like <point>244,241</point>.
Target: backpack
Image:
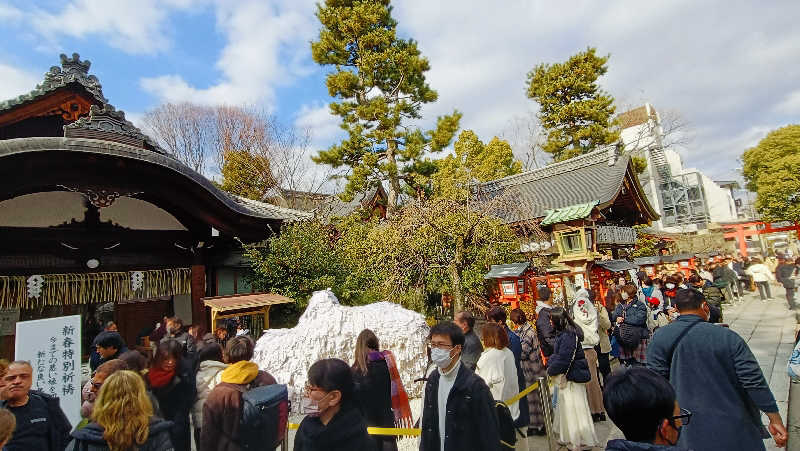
<point>505,423</point>
<point>265,415</point>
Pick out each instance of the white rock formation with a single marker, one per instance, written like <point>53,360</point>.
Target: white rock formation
<point>329,330</point>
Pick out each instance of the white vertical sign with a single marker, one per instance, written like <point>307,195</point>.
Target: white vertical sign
<point>53,346</point>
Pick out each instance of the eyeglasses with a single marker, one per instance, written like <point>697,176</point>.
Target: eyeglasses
<point>433,345</point>
<point>685,417</point>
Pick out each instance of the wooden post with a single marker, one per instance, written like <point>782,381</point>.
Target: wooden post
<point>198,292</point>
<point>266,317</point>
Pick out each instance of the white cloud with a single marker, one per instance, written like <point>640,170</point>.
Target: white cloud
<point>136,27</point>
<point>324,126</point>
<point>791,104</point>
<point>9,13</point>
<point>263,41</point>
<point>15,82</point>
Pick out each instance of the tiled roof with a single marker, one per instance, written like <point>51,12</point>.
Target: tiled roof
<point>72,71</point>
<point>334,207</point>
<point>579,180</point>
<point>508,270</point>
<point>617,265</point>
<point>269,211</point>
<point>578,211</point>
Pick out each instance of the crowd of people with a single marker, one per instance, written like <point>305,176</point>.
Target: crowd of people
<point>675,365</point>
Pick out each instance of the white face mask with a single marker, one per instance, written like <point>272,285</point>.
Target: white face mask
<point>670,286</point>
<point>441,357</point>
<point>624,296</point>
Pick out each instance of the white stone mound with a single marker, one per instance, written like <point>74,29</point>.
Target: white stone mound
<point>329,330</point>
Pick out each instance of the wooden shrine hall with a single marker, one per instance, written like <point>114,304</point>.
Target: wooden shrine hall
<point>94,213</point>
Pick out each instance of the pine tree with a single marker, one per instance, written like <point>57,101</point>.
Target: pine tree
<point>576,113</point>
<point>379,82</point>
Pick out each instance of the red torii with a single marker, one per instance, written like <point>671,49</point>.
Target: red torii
<point>740,231</point>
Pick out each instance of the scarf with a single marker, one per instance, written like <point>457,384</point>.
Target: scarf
<point>400,405</point>
<point>160,378</point>
<point>240,373</point>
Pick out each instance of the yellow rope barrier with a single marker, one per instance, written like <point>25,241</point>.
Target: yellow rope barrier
<point>416,432</point>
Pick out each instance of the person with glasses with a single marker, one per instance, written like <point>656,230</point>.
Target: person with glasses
<point>458,410</point>
<point>642,405</point>
<point>333,421</point>
<point>716,376</point>
<point>90,390</point>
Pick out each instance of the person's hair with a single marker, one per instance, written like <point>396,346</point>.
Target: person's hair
<point>630,289</point>
<point>112,366</point>
<point>688,299</point>
<point>20,363</point>
<point>797,261</point>
<point>108,339</point>
<point>678,276</point>
<point>518,317</point>
<point>673,278</point>
<point>694,278</point>
<point>8,423</point>
<point>658,281</point>
<point>135,359</point>
<point>637,401</point>
<point>219,330</point>
<point>494,336</point>
<point>240,349</point>
<point>110,323</point>
<point>211,351</point>
<point>366,342</point>
<point>176,320</point>
<point>497,313</point>
<point>123,410</point>
<point>449,329</point>
<point>165,350</point>
<point>333,374</point>
<point>647,281</point>
<point>466,317</point>
<point>544,293</point>
<point>561,320</point>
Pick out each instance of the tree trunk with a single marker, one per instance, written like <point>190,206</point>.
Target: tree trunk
<point>394,179</point>
<point>456,267</point>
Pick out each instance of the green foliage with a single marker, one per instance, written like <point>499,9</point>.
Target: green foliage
<point>379,81</point>
<point>473,161</point>
<point>576,113</point>
<point>246,174</point>
<point>646,244</point>
<point>639,164</point>
<point>772,170</point>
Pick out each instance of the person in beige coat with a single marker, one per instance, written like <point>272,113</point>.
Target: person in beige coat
<point>603,349</point>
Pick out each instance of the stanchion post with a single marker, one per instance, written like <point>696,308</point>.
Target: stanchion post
<point>547,412</point>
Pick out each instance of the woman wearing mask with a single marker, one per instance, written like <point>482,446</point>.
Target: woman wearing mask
<point>603,349</point>
<point>632,312</point>
<point>570,370</point>
<point>171,381</point>
<point>209,374</point>
<point>497,368</point>
<point>671,287</point>
<point>123,419</point>
<point>332,422</point>
<point>585,317</point>
<point>373,388</point>
<point>532,368</point>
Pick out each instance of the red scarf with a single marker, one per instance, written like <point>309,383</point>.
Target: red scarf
<point>400,404</point>
<point>159,378</point>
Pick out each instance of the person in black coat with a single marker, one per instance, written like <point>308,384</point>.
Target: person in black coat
<point>544,329</point>
<point>373,388</point>
<point>470,421</point>
<point>333,421</point>
<point>171,380</point>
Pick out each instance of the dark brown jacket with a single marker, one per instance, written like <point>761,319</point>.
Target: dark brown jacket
<point>222,411</point>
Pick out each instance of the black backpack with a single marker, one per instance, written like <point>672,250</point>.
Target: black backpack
<point>265,414</point>
<point>505,423</point>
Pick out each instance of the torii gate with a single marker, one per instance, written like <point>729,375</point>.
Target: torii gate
<point>741,230</point>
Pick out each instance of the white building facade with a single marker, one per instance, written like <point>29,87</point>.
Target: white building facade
<point>686,199</point>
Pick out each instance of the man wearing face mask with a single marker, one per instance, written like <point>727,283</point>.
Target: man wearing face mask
<point>717,378</point>
<point>458,408</point>
<point>642,405</point>
<point>175,332</point>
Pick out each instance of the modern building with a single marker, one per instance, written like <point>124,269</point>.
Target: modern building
<point>687,199</point>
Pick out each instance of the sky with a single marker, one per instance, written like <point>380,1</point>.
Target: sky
<point>730,68</point>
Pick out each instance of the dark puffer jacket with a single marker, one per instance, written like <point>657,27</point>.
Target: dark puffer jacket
<point>374,397</point>
<point>91,438</point>
<point>345,432</point>
<point>626,445</point>
<point>568,343</point>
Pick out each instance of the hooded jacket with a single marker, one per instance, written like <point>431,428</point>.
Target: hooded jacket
<point>627,445</point>
<point>208,376</point>
<point>346,431</point>
<point>585,316</point>
<point>222,410</point>
<point>91,438</point>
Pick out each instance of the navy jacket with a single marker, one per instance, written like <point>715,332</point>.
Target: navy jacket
<point>718,379</point>
<point>635,313</point>
<point>627,445</point>
<point>545,332</point>
<point>515,344</point>
<point>568,342</point>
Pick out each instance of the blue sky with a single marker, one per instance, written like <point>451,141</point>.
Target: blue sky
<point>729,68</point>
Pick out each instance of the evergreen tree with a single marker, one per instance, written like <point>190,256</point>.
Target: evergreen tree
<point>771,169</point>
<point>379,82</point>
<point>576,113</point>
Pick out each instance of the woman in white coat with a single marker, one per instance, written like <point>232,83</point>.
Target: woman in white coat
<point>497,368</point>
<point>761,276</point>
<point>585,316</point>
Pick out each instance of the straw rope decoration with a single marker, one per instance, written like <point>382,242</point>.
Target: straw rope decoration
<point>73,289</point>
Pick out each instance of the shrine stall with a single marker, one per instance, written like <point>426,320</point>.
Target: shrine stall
<point>684,263</point>
<point>510,287</point>
<point>518,283</point>
<point>251,310</point>
<point>604,270</point>
<point>650,265</point>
